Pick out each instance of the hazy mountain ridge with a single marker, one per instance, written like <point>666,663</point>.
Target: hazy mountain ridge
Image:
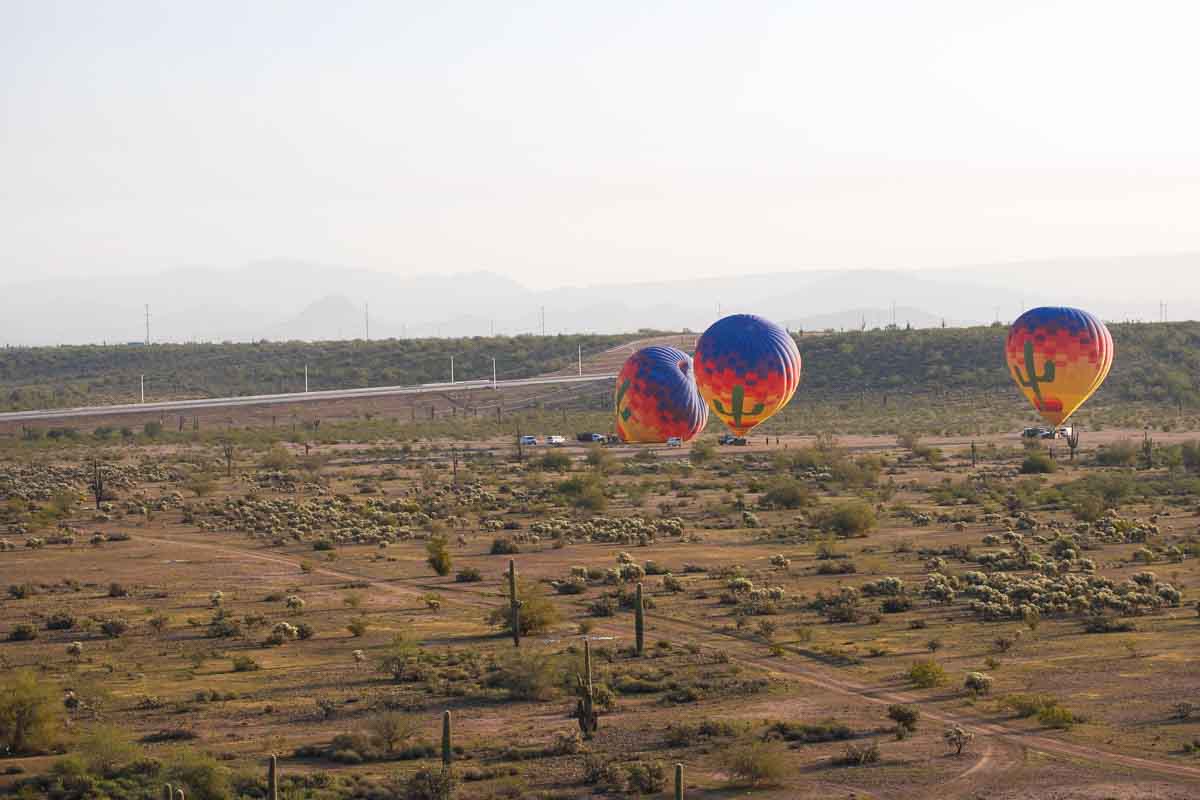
<point>284,299</point>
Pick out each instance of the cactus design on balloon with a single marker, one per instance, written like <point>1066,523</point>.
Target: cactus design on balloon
<point>737,410</point>
<point>1034,382</point>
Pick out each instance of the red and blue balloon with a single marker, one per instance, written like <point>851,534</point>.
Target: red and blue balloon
<point>656,397</point>
<point>747,368</point>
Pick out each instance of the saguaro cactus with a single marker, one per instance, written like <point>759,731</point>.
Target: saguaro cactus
<point>447,753</point>
<point>168,792</point>
<point>975,455</point>
<point>1073,441</point>
<point>1034,381</point>
<point>679,782</point>
<point>272,778</point>
<point>514,603</point>
<point>179,795</point>
<point>639,622</point>
<point>586,711</point>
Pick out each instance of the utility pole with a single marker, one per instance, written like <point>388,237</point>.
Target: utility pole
<point>306,378</point>
<point>143,383</point>
<point>580,360</point>
<point>452,369</point>
<point>367,321</point>
<point>493,372</point>
<point>543,320</point>
<point>147,324</point>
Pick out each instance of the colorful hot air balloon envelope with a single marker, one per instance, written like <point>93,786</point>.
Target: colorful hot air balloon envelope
<point>1058,356</point>
<point>656,397</point>
<point>747,368</point>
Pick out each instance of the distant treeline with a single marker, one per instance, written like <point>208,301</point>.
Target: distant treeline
<point>1154,362</point>
<point>45,377</point>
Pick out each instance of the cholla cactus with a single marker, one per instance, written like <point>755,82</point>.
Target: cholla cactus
<point>781,561</point>
<point>295,603</point>
<point>359,657</point>
<point>75,650</point>
<point>624,558</point>
<point>958,738</point>
<point>977,683</point>
<point>216,598</point>
<point>284,630</point>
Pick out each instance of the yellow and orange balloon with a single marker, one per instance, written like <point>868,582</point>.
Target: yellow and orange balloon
<point>1058,357</point>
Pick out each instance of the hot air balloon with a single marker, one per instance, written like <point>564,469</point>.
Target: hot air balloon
<point>656,398</point>
<point>747,368</point>
<point>1058,356</point>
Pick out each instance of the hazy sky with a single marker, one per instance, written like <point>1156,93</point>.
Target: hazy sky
<point>582,142</point>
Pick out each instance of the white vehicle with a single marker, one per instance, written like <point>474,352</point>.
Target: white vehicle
<point>1043,432</point>
<point>529,440</point>
<point>674,441</point>
<point>555,439</point>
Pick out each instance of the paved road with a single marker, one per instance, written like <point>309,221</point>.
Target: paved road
<point>293,397</point>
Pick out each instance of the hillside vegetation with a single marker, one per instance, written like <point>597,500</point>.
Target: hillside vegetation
<point>1155,363</point>
<point>47,377</point>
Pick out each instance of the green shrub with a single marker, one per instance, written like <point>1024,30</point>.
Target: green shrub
<point>538,612</point>
<point>30,713</point>
<point>756,763</point>
<point>645,778</point>
<point>1123,453</point>
<point>926,673</point>
<point>504,546</point>
<point>468,575</point>
<point>555,461</point>
<point>848,518</point>
<point>528,675</point>
<point>1037,463</point>
<point>437,551</point>
<point>859,755</point>
<point>23,632</point>
<point>904,716</point>
<point>809,733</point>
<point>245,664</point>
<point>1055,716</point>
<point>787,493</point>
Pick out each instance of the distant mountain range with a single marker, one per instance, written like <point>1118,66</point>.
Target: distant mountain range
<point>282,299</point>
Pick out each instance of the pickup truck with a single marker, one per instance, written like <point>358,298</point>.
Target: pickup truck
<point>556,439</point>
<point>589,437</point>
<point>529,440</point>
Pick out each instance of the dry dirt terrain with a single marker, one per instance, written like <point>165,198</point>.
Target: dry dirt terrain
<point>819,617</point>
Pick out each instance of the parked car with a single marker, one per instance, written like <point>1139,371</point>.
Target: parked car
<point>1046,432</point>
<point>740,441</point>
<point>589,437</point>
<point>529,440</point>
<point>729,438</point>
<point>675,441</point>
<point>556,439</point>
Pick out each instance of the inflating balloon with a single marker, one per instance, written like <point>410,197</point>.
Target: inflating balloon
<point>1058,357</point>
<point>747,368</point>
<point>656,398</point>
